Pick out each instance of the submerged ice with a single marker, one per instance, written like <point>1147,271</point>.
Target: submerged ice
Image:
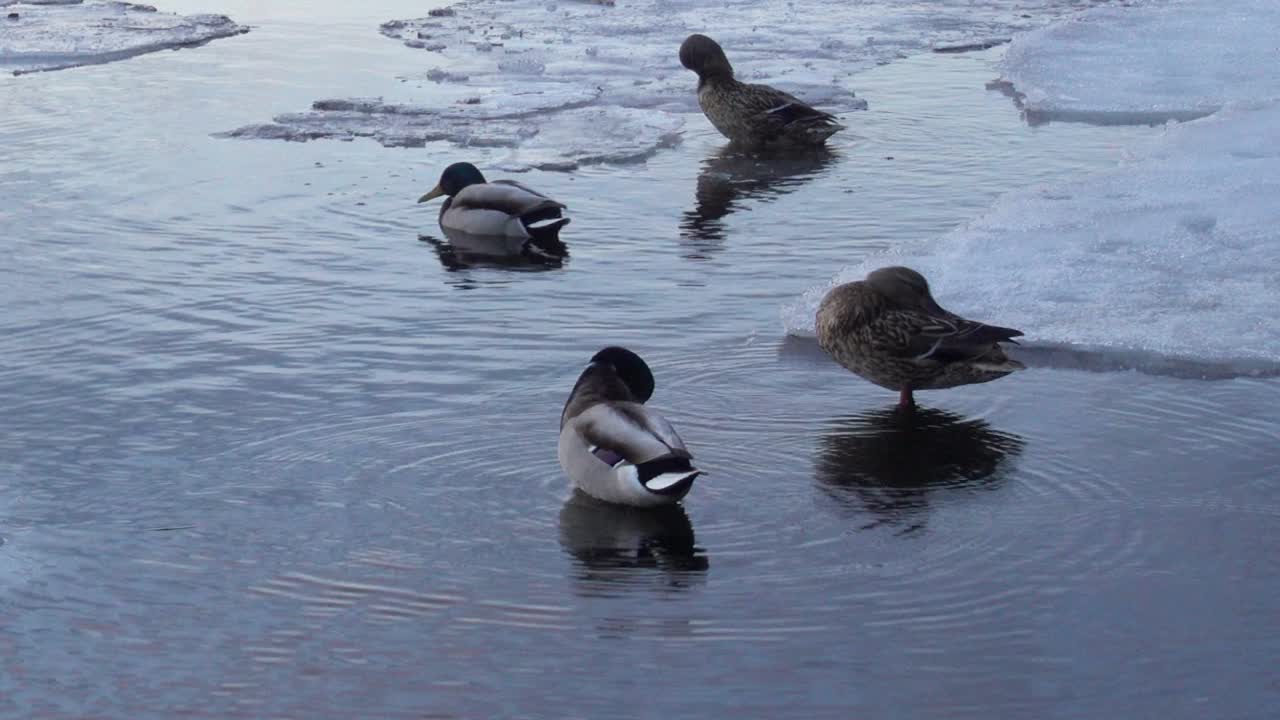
<point>564,83</point>
<point>40,35</point>
<point>1174,60</point>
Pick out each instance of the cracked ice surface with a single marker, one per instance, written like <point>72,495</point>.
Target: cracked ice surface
<point>564,83</point>
<point>40,35</point>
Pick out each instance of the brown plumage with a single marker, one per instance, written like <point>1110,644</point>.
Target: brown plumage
<point>747,113</point>
<point>889,330</point>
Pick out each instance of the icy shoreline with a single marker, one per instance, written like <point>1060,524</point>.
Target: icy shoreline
<point>1166,261</point>
<point>1170,254</point>
<point>41,35</point>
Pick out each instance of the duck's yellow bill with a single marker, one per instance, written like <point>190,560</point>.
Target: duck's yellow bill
<point>435,193</point>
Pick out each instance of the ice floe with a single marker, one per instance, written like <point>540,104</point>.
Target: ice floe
<point>566,82</point>
<point>1170,60</point>
<point>40,35</point>
<point>1171,255</point>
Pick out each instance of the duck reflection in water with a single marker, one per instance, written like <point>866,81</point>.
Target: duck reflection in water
<point>888,462</point>
<point>463,251</point>
<point>734,174</point>
<point>617,548</point>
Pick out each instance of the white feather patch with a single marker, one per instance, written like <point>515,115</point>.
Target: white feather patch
<point>666,480</point>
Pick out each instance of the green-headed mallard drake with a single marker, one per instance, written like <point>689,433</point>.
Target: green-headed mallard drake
<point>614,448</point>
<point>503,208</point>
<point>889,329</point>
<point>747,113</point>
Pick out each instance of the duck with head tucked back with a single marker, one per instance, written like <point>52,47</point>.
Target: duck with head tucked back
<point>746,113</point>
<point>612,446</point>
<point>502,208</point>
<point>889,330</point>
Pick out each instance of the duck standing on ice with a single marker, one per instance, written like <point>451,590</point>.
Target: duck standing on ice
<point>889,330</point>
<point>747,113</point>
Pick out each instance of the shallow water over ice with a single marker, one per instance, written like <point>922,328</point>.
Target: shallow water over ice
<point>273,446</point>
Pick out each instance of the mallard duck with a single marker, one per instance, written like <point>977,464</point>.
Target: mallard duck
<point>889,329</point>
<point>747,113</point>
<point>614,448</point>
<point>502,208</point>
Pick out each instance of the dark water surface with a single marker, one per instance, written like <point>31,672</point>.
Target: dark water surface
<point>264,452</point>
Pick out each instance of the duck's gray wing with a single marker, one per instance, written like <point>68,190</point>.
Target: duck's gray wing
<point>525,188</point>
<point>505,196</point>
<point>629,431</point>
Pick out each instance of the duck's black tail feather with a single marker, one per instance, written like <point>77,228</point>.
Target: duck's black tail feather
<point>668,475</point>
<point>546,230</point>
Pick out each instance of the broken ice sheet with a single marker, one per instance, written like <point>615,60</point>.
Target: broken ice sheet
<point>563,140</point>
<point>568,82</point>
<point>40,35</point>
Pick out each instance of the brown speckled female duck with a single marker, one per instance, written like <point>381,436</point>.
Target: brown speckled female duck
<point>751,114</point>
<point>888,329</point>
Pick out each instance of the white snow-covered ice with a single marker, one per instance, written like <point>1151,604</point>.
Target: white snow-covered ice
<point>40,35</point>
<point>1168,60</point>
<point>1172,255</point>
<point>1167,261</point>
<point>596,74</point>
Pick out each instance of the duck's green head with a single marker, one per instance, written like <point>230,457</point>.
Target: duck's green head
<point>453,179</point>
<point>630,369</point>
<point>704,56</point>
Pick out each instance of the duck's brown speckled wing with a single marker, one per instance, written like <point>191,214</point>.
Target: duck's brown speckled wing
<point>941,338</point>
<point>776,111</point>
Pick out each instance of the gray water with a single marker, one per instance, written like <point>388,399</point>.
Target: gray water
<point>270,447</point>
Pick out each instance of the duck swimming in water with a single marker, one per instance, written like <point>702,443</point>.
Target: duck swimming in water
<point>889,330</point>
<point>751,114</point>
<point>612,446</point>
<point>502,208</point>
